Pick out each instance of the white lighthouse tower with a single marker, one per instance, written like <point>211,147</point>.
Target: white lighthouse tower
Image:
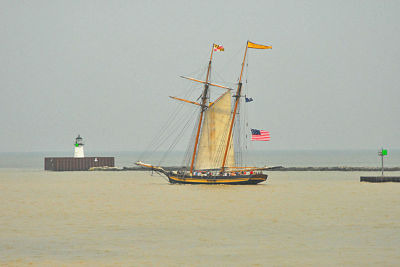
<point>79,147</point>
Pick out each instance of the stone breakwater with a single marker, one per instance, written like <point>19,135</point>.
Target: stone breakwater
<point>279,169</point>
<point>341,169</point>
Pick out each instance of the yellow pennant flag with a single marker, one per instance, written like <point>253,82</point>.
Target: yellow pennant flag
<point>257,46</point>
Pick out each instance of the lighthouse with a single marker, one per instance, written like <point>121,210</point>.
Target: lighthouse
<point>79,162</point>
<point>79,147</point>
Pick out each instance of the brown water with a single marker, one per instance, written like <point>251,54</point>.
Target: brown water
<point>134,219</point>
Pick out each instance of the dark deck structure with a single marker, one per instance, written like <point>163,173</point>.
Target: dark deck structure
<point>76,164</point>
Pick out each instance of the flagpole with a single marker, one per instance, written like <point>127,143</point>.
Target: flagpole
<point>238,92</point>
<point>203,108</point>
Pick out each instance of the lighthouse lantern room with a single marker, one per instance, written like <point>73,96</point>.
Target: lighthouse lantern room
<point>79,147</point>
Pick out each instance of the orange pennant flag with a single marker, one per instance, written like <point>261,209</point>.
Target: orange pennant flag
<point>257,46</point>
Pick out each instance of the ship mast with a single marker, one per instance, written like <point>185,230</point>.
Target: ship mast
<point>237,96</point>
<point>203,108</point>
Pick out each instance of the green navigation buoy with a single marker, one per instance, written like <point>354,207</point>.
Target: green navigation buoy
<point>382,153</point>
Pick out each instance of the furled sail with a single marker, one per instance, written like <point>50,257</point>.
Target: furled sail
<point>214,135</point>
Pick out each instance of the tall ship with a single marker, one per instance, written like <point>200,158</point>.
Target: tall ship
<point>212,159</point>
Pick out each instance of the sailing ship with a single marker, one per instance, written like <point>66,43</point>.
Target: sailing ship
<point>213,156</point>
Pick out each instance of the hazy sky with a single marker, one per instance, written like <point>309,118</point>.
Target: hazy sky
<point>105,69</point>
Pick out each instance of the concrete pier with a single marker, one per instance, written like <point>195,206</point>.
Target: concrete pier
<point>76,164</point>
<point>380,179</point>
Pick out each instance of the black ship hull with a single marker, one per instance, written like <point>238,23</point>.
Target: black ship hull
<point>227,180</point>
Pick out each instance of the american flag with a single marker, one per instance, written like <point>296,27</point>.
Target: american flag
<point>259,135</point>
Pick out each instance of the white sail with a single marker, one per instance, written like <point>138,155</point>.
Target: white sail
<point>214,136</point>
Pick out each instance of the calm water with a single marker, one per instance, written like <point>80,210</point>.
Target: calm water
<point>135,219</point>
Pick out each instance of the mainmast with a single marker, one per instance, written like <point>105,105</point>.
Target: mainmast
<point>203,108</point>
<point>237,96</point>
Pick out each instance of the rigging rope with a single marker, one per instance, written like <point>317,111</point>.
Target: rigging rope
<point>179,135</point>
<point>171,129</point>
<point>168,127</point>
<point>190,147</point>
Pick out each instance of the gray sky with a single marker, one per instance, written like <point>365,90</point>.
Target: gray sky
<point>105,69</point>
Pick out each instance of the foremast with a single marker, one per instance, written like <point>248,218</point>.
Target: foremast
<point>203,108</point>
